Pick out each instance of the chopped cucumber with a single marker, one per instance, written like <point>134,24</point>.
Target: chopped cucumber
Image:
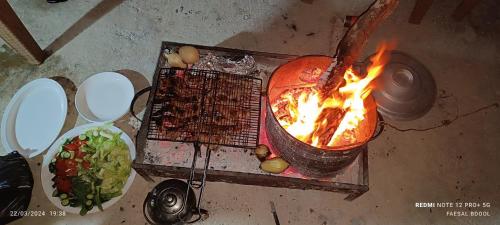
<point>82,137</point>
<point>95,133</point>
<point>88,202</point>
<point>65,202</point>
<point>65,155</point>
<point>53,160</point>
<point>83,211</point>
<point>90,196</point>
<point>63,196</point>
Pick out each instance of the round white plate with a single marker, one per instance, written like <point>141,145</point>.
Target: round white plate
<point>46,176</point>
<point>34,116</point>
<point>104,97</point>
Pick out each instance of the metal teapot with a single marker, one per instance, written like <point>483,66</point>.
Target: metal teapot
<point>166,203</point>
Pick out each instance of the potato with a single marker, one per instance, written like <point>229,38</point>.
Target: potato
<point>274,165</point>
<point>189,54</point>
<point>262,151</point>
<point>174,60</point>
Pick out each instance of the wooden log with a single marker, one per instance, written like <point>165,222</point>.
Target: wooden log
<point>348,51</point>
<point>15,34</point>
<point>325,133</point>
<point>354,41</point>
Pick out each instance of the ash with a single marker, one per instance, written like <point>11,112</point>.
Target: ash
<point>152,158</point>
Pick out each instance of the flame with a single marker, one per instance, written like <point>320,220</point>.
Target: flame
<point>307,116</point>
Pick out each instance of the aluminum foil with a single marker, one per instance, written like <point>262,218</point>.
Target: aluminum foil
<point>244,65</point>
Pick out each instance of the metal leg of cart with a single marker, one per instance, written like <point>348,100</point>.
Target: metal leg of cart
<point>202,213</point>
<point>353,195</point>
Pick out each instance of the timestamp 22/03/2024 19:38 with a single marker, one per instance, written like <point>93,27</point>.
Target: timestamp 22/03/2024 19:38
<point>36,213</point>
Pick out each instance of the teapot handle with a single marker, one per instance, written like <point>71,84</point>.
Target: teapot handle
<point>144,211</point>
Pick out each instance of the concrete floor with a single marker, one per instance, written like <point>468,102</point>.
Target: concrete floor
<point>459,162</point>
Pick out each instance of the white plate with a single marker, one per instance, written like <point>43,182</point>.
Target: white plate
<point>34,116</point>
<point>104,97</point>
<point>46,176</point>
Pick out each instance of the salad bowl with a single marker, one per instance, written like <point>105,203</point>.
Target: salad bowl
<point>59,151</point>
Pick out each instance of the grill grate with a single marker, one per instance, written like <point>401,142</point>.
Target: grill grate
<point>208,107</point>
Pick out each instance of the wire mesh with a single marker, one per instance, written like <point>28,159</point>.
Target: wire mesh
<point>204,106</point>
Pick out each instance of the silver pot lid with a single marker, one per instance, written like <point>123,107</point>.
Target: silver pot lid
<point>405,90</point>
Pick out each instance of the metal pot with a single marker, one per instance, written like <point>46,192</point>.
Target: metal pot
<point>309,160</point>
<point>166,205</point>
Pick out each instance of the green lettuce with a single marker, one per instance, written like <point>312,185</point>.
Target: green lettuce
<point>110,160</point>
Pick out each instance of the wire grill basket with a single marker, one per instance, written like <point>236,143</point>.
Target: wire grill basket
<point>208,107</point>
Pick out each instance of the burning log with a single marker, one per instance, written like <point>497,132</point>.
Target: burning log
<point>326,132</point>
<point>351,45</point>
<point>347,52</point>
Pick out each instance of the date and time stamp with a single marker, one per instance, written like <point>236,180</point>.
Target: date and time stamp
<point>459,209</point>
<point>37,213</point>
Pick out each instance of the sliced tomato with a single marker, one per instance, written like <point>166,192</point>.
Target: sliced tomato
<point>86,164</point>
<point>60,167</point>
<point>75,139</point>
<point>63,184</point>
<point>71,147</point>
<point>66,167</point>
<point>74,144</point>
<point>79,154</point>
<point>71,168</point>
<point>78,142</point>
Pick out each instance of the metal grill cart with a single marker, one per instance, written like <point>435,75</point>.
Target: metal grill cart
<point>221,109</point>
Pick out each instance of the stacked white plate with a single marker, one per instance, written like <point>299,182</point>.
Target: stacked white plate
<point>104,97</point>
<point>34,117</point>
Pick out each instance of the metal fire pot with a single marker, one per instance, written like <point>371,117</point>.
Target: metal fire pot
<point>309,160</point>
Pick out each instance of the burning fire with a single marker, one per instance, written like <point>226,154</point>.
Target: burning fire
<point>306,116</point>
